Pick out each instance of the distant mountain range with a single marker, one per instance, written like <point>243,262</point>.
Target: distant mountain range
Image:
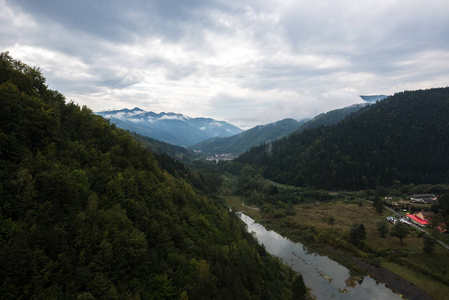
<point>239,143</point>
<point>243,141</point>
<point>211,136</point>
<point>172,128</point>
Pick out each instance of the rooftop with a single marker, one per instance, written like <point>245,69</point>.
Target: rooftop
<point>419,220</point>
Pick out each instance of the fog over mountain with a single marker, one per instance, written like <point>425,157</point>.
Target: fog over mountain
<point>170,127</point>
<point>373,98</point>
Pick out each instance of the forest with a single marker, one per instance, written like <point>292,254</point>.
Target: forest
<point>402,138</point>
<point>87,212</point>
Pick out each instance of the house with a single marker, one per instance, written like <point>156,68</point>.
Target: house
<point>425,215</point>
<point>418,221</point>
<point>423,198</point>
<point>422,218</point>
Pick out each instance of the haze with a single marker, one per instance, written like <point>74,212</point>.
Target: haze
<point>244,62</point>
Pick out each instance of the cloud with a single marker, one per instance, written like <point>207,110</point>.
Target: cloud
<point>172,117</point>
<point>245,62</point>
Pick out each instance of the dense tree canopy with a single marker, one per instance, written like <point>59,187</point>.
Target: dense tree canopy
<point>400,139</point>
<point>87,212</point>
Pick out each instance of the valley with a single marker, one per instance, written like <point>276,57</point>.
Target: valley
<point>224,150</point>
<point>304,210</point>
<point>307,222</point>
<point>90,210</point>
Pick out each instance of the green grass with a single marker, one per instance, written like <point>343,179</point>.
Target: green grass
<point>436,289</point>
<point>236,204</point>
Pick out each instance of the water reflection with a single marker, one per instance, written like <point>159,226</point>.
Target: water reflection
<point>326,278</point>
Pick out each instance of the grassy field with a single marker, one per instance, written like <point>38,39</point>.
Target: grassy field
<point>346,214</point>
<point>236,203</point>
<point>423,270</point>
<point>436,289</point>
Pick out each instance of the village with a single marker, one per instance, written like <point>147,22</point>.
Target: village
<point>405,211</point>
<point>216,157</point>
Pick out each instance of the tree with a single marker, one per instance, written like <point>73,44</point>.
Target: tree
<point>382,228</point>
<point>331,221</point>
<point>87,213</point>
<point>299,288</point>
<point>429,244</point>
<point>379,206</point>
<point>444,203</point>
<point>400,230</point>
<point>357,234</point>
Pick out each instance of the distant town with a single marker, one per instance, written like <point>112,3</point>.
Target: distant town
<point>217,157</point>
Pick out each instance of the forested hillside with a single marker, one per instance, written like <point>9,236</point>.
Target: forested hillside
<point>241,142</point>
<point>401,138</point>
<point>159,147</point>
<point>88,213</point>
<point>331,117</point>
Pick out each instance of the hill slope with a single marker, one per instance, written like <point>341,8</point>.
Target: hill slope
<point>331,117</point>
<point>172,128</point>
<point>239,143</point>
<point>403,137</point>
<point>86,212</point>
<point>243,141</point>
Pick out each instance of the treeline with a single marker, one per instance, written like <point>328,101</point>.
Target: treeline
<point>159,147</point>
<point>86,212</point>
<point>330,118</point>
<point>240,142</point>
<point>402,138</point>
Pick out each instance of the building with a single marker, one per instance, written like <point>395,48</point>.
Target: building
<point>423,198</point>
<point>425,215</point>
<point>418,221</point>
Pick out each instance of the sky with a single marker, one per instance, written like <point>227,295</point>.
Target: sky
<point>247,62</point>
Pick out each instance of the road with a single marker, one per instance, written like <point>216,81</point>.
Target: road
<point>417,227</point>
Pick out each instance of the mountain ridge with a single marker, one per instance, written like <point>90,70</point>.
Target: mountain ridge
<point>401,138</point>
<point>260,134</point>
<point>173,128</point>
<point>242,141</point>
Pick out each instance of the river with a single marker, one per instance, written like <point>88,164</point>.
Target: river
<point>326,278</point>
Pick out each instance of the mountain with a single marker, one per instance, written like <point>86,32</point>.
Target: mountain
<point>239,143</point>
<point>86,212</point>
<point>172,128</point>
<point>159,147</point>
<point>373,98</point>
<point>402,138</point>
<point>330,117</point>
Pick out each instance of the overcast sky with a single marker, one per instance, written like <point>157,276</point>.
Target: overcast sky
<point>247,62</point>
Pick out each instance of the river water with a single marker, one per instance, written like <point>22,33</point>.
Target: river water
<point>326,278</point>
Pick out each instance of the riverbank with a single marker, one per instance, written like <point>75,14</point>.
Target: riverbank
<point>326,278</point>
<point>381,274</point>
<point>308,227</point>
<point>392,280</point>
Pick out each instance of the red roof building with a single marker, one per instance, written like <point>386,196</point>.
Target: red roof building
<point>442,228</point>
<point>418,221</point>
